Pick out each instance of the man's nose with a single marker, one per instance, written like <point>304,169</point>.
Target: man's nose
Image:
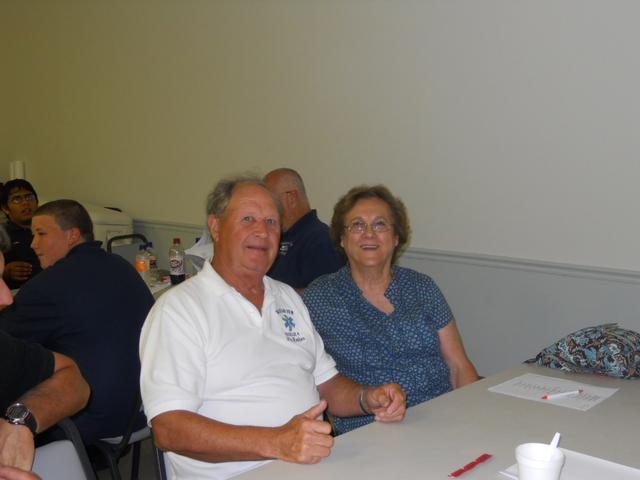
<point>261,228</point>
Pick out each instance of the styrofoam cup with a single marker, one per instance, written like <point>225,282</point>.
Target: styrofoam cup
<point>534,462</point>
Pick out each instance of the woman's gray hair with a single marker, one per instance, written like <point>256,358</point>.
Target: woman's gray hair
<point>5,241</point>
<point>218,199</point>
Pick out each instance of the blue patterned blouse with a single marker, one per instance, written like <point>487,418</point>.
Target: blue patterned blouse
<point>372,347</point>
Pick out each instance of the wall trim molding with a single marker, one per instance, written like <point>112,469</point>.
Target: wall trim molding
<point>550,268</point>
<point>482,260</point>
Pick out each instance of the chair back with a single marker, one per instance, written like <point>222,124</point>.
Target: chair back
<point>163,469</point>
<point>114,448</point>
<point>130,435</point>
<point>118,239</point>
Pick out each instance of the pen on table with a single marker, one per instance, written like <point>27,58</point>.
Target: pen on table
<point>553,396</point>
<point>482,458</point>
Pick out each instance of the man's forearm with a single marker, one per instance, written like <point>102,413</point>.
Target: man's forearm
<point>198,437</point>
<point>348,399</point>
<point>303,439</point>
<point>342,395</point>
<point>61,395</point>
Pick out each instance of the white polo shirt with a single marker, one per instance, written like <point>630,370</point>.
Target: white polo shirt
<point>205,348</point>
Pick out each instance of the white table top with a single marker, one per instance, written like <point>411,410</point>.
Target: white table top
<point>448,432</point>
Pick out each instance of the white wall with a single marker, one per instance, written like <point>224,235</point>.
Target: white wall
<point>509,127</point>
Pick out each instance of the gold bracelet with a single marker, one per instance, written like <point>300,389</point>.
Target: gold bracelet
<point>361,401</point>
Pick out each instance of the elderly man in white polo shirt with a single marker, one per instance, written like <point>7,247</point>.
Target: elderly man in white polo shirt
<point>233,371</point>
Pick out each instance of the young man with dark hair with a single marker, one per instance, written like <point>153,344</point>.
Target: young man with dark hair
<point>19,201</point>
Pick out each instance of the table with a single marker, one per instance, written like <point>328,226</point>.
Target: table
<point>444,434</point>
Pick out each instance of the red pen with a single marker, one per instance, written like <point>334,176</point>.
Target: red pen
<point>482,458</point>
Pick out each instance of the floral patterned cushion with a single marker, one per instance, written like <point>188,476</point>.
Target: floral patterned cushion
<point>604,349</point>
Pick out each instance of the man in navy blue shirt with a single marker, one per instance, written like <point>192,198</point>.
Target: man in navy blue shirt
<point>89,305</point>
<point>306,251</point>
<point>37,389</point>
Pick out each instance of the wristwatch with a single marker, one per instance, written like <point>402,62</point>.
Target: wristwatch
<point>18,414</point>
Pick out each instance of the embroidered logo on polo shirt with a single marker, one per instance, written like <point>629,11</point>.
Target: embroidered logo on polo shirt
<point>288,322</point>
<point>284,248</point>
<point>290,331</point>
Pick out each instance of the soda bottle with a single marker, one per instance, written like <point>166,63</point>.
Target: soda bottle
<point>176,262</point>
<point>142,263</point>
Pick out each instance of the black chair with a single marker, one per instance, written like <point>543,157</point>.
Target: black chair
<point>114,448</point>
<point>130,236</point>
<point>162,472</point>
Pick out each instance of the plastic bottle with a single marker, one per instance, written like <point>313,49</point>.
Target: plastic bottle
<point>176,262</point>
<point>142,263</point>
<point>153,263</point>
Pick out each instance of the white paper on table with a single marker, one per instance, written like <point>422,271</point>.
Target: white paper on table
<point>531,386</point>
<point>579,466</point>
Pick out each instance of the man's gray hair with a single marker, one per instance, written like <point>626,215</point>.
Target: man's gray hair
<point>5,241</point>
<point>218,199</point>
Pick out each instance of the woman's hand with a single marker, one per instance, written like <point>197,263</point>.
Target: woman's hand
<point>387,402</point>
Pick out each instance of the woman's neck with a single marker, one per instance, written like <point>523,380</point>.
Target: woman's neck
<point>374,280</point>
<point>373,284</point>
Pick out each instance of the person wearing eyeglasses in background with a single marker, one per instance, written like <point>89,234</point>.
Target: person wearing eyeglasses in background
<point>380,322</point>
<point>19,201</point>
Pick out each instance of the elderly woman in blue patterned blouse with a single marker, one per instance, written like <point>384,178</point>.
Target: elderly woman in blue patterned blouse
<point>383,323</point>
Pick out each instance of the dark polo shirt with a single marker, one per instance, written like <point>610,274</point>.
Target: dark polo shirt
<point>90,306</point>
<point>305,253</point>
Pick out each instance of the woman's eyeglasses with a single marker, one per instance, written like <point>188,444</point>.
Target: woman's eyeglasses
<point>360,226</point>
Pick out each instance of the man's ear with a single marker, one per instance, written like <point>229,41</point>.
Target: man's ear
<point>292,198</point>
<point>73,236</point>
<point>213,223</point>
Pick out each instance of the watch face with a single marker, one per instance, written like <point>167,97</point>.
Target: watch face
<point>17,412</point>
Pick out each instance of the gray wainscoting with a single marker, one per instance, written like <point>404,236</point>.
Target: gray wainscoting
<point>507,309</point>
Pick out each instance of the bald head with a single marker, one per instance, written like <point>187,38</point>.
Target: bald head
<point>288,185</point>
